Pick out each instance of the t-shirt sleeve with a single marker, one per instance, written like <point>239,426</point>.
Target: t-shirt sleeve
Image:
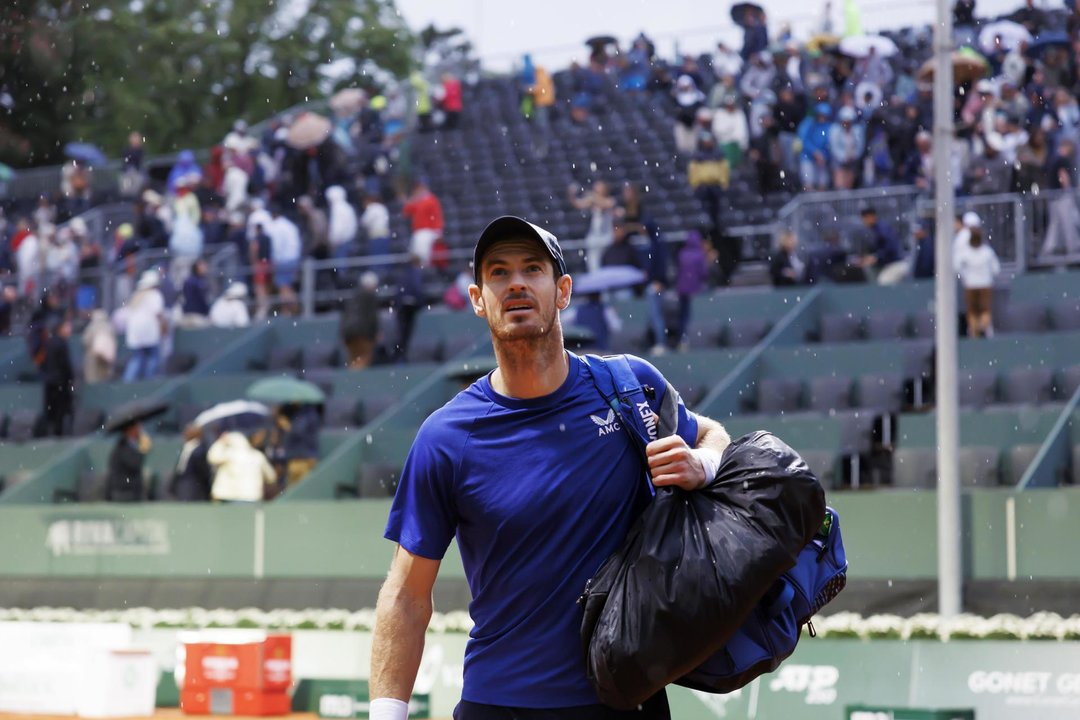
<point>422,518</point>
<point>667,403</point>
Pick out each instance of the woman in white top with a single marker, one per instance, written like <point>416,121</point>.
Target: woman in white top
<point>978,265</point>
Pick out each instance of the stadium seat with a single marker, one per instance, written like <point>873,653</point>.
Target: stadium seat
<point>1028,386</point>
<point>321,356</point>
<point>341,412</point>
<point>823,464</point>
<point>977,388</point>
<point>373,406</point>
<point>840,327</point>
<point>922,325</point>
<point>705,333</point>
<point>915,468</point>
<point>745,332</point>
<point>979,466</point>
<point>87,420</point>
<point>778,395</point>
<point>829,394</point>
<point>881,392</point>
<point>1068,381</point>
<point>373,480</point>
<point>1017,460</point>
<point>180,363</point>
<point>1065,315</point>
<point>22,424</point>
<point>424,348</point>
<point>886,326</point>
<point>285,358</point>
<point>1022,318</point>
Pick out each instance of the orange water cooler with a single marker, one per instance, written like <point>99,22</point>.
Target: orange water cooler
<point>243,678</point>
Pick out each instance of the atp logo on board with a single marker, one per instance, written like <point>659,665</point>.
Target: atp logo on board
<point>606,425</point>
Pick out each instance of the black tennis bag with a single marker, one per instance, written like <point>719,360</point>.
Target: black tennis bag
<point>711,588</point>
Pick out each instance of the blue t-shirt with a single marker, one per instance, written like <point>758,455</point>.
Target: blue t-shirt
<point>539,493</point>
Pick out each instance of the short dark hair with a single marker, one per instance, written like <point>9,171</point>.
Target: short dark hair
<point>868,210</point>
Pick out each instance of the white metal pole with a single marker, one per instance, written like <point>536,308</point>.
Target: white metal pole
<point>950,570</point>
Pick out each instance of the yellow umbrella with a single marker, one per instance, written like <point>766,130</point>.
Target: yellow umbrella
<point>967,67</point>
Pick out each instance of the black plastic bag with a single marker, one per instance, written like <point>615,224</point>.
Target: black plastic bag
<point>693,566</point>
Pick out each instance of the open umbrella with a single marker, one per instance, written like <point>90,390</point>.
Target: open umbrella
<point>348,101</point>
<point>1046,41</point>
<point>308,130</point>
<point>285,390</point>
<point>740,12</point>
<point>612,277</point>
<point>599,42</point>
<point>1005,34</point>
<point>134,412</point>
<point>860,46</point>
<point>233,414</point>
<point>6,173</point>
<point>967,67</point>
<point>822,41</point>
<point>86,153</point>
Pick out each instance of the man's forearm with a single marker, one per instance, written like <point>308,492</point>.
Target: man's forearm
<point>398,643</point>
<point>712,435</point>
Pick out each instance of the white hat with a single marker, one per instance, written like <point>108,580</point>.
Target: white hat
<point>846,114</point>
<point>236,290</point>
<point>78,226</point>
<point>972,220</point>
<point>984,86</point>
<point>149,279</point>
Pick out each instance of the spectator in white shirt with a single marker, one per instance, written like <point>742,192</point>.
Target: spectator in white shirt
<point>343,223</point>
<point>376,224</point>
<point>285,250</point>
<point>978,265</point>
<point>230,310</point>
<point>144,326</point>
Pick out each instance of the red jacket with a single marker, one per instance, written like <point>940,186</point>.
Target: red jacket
<point>424,212</point>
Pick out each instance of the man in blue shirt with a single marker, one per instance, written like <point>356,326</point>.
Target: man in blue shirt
<point>531,471</point>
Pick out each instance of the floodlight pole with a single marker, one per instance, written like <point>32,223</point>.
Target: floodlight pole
<point>949,529</point>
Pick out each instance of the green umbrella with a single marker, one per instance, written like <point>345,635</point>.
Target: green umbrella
<point>281,390</point>
<point>6,173</point>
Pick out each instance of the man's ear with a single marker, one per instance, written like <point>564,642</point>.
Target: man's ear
<point>477,298</point>
<point>564,287</point>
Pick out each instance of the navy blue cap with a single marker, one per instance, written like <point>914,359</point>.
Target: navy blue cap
<point>509,226</point>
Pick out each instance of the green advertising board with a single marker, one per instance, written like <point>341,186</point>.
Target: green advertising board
<point>865,712</point>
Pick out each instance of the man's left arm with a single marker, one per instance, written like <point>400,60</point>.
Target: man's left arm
<point>673,462</point>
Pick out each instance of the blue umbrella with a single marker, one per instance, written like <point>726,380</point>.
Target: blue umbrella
<point>85,152</point>
<point>608,278</point>
<point>1047,40</point>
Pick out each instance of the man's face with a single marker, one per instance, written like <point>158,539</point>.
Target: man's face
<point>519,295</point>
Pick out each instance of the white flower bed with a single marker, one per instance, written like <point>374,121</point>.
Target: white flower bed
<point>1041,626</point>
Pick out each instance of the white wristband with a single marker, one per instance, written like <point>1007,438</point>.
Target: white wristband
<point>388,709</point>
<point>710,461</point>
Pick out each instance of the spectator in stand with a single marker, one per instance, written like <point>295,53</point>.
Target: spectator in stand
<point>847,142</point>
<point>239,140</point>
<point>920,170</point>
<point>964,13</point>
<point>421,92</point>
<point>767,155</point>
<point>785,266</point>
<point>230,310</point>
<point>343,223</point>
<point>731,131</point>
<point>124,481</point>
<point>186,241</point>
<point>234,185</point>
<point>1062,232</point>
<point>979,106</point>
<point>61,259</point>
<point>242,474</point>
<point>887,257</point>
<point>58,378</point>
<point>452,103</point>
<point>755,34</point>
<point>688,100</point>
<point>132,177</point>
<point>923,266</point>
<point>543,98</point>
<point>285,251</point>
<point>196,290</point>
<point>962,239</point>
<point>375,221</point>
<point>725,86</point>
<point>978,265</point>
<point>759,75</point>
<point>1065,119</point>
<point>360,322</point>
<point>262,264</point>
<point>1006,137</point>
<point>27,251</point>
<point>149,225</point>
<point>693,273</point>
<point>426,219</point>
<point>989,172</point>
<point>144,326</point>
<point>709,175</point>
<point>1031,162</point>
<point>789,111</point>
<point>315,225</point>
<point>185,168</point>
<point>408,301</point>
<point>600,205</point>
<point>75,187</point>
<point>99,348</point>
<point>193,476</point>
<point>621,251</point>
<point>44,214</point>
<point>726,61</point>
<point>813,132</point>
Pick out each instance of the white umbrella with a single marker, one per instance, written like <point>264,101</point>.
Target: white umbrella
<point>234,409</point>
<point>1011,34</point>
<point>859,46</point>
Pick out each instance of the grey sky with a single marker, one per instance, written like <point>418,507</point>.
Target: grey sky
<point>554,30</point>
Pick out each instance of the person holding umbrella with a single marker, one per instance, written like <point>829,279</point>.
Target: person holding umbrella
<point>124,481</point>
